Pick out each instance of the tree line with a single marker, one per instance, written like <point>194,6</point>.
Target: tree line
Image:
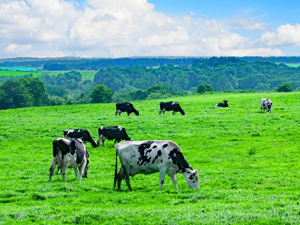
<point>73,63</point>
<point>224,73</point>
<point>139,83</point>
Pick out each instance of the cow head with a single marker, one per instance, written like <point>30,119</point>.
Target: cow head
<point>192,178</point>
<point>137,112</point>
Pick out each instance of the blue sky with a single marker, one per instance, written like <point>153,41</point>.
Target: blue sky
<point>126,28</point>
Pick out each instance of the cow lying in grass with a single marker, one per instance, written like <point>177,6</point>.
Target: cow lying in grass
<point>222,104</point>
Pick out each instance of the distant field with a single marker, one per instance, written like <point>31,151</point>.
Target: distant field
<point>292,64</point>
<point>248,164</point>
<point>86,74</point>
<point>18,73</point>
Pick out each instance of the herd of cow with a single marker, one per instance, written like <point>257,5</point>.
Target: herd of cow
<point>135,156</point>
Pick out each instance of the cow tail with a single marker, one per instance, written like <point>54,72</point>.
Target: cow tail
<point>116,169</point>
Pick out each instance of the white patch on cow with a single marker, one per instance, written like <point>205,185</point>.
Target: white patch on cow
<point>119,111</point>
<point>120,128</point>
<point>173,103</point>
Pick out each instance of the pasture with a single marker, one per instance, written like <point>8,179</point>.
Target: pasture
<point>86,74</point>
<point>248,164</point>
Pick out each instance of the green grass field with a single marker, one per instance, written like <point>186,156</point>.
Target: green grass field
<point>86,74</point>
<point>248,164</point>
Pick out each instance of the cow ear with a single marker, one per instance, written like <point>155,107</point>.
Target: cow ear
<point>72,147</point>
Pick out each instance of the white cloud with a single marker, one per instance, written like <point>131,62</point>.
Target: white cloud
<point>283,36</point>
<point>114,28</point>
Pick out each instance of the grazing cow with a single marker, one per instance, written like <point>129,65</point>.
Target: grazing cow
<point>116,133</point>
<point>69,153</point>
<point>148,157</point>
<point>169,106</point>
<point>222,104</point>
<point>84,135</point>
<point>126,107</point>
<point>266,104</point>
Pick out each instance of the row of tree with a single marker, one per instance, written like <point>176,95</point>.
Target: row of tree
<point>226,74</point>
<point>72,63</point>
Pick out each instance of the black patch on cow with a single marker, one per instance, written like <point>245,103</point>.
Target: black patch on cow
<point>179,160</point>
<point>155,146</point>
<point>62,146</point>
<point>156,157</point>
<point>133,156</point>
<point>72,147</point>
<point>79,151</point>
<point>161,161</point>
<point>165,145</point>
<point>143,154</point>
<point>148,151</point>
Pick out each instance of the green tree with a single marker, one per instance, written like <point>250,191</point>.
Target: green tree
<point>202,88</point>
<point>101,94</point>
<point>13,94</point>
<point>36,88</point>
<point>285,87</point>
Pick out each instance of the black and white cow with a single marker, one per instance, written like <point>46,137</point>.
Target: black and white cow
<point>266,104</point>
<point>69,153</point>
<point>170,106</point>
<point>84,135</point>
<point>117,133</point>
<point>148,157</point>
<point>222,104</point>
<point>126,107</point>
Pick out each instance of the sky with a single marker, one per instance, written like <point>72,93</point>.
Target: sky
<point>149,28</point>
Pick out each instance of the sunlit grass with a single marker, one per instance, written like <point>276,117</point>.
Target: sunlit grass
<point>248,164</point>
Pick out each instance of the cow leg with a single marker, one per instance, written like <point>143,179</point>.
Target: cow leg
<point>63,171</point>
<point>82,168</point>
<point>103,141</point>
<point>174,178</point>
<point>162,173</point>
<point>52,168</point>
<point>76,172</point>
<point>126,175</point>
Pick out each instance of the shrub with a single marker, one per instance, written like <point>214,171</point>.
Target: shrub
<point>285,87</point>
<point>204,88</point>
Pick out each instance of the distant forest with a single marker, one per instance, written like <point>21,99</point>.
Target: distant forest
<point>72,63</point>
<point>146,78</point>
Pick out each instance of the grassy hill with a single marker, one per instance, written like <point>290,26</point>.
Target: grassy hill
<point>248,164</point>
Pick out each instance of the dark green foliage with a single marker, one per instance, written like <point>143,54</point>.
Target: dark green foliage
<point>154,92</point>
<point>36,88</point>
<point>286,87</point>
<point>224,73</point>
<point>202,88</point>
<point>101,94</point>
<point>14,94</point>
